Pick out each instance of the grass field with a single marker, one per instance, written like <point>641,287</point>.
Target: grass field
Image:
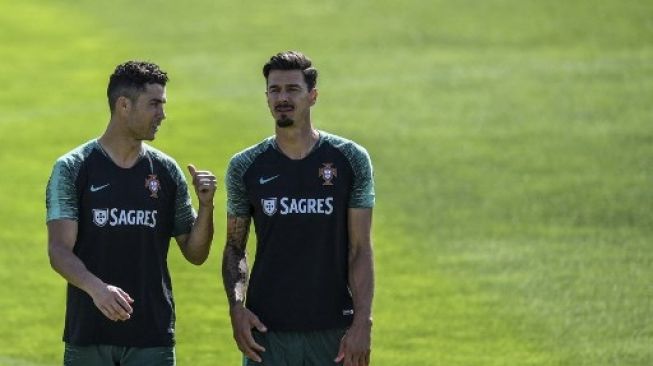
<point>512,143</point>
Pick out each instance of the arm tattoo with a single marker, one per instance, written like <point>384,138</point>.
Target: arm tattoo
<point>234,259</point>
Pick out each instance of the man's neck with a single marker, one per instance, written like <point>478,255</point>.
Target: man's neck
<point>296,142</point>
<point>124,151</point>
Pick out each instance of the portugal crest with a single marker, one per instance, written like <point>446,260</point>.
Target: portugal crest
<point>269,205</point>
<point>327,172</point>
<point>153,185</point>
<point>100,216</point>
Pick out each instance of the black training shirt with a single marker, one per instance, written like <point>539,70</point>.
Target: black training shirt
<point>125,218</point>
<point>299,280</point>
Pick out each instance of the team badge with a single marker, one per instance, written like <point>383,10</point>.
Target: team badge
<point>327,172</point>
<point>269,205</point>
<point>100,216</point>
<point>153,185</point>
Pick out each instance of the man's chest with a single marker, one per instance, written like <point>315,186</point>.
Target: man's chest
<point>143,187</point>
<point>316,185</point>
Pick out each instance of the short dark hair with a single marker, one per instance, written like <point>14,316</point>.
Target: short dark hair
<point>292,60</point>
<point>131,77</point>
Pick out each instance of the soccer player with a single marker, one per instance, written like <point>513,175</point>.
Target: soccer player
<point>310,194</point>
<point>113,204</point>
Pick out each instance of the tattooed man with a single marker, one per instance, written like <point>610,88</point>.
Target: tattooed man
<point>310,195</point>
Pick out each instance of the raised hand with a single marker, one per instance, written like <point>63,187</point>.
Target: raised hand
<point>205,184</point>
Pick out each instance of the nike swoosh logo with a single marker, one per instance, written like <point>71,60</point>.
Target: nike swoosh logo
<point>95,189</point>
<point>265,180</point>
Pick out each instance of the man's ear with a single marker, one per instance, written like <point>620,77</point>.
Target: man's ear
<point>312,95</point>
<point>123,104</point>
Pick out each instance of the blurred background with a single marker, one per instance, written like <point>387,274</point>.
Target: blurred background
<point>512,143</point>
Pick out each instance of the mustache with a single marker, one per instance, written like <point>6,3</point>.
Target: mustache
<point>283,105</point>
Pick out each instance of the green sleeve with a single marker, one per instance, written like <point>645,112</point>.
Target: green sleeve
<point>362,190</point>
<point>184,212</point>
<point>362,193</point>
<point>61,196</point>
<point>237,200</point>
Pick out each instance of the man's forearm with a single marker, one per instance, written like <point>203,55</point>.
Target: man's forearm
<point>234,275</point>
<point>361,282</point>
<point>199,240</point>
<point>234,260</point>
<point>73,270</point>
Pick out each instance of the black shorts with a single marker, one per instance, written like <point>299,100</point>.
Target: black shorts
<point>314,348</point>
<point>107,355</point>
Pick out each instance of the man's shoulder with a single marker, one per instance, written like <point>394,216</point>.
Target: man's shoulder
<point>246,156</point>
<point>349,148</point>
<point>255,149</point>
<point>76,156</point>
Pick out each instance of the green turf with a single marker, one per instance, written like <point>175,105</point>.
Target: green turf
<point>512,144</point>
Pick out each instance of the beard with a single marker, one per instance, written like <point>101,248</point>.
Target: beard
<point>284,121</point>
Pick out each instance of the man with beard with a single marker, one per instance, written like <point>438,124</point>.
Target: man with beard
<point>112,206</point>
<point>310,194</point>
